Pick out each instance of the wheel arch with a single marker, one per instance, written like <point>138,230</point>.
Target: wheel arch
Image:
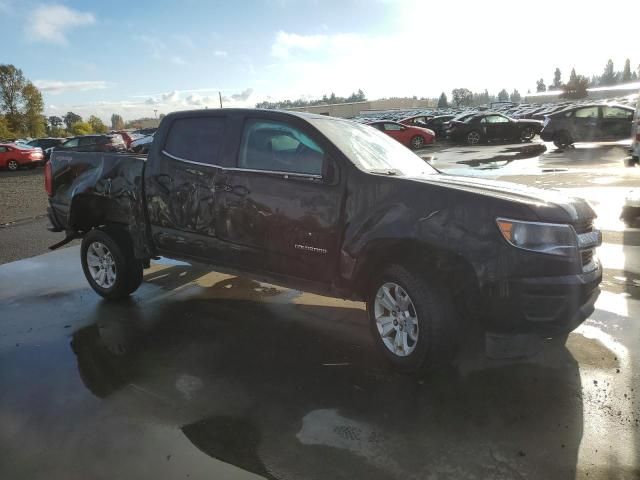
<point>88,211</point>
<point>439,263</point>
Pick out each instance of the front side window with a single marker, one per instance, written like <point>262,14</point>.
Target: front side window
<point>616,112</point>
<point>392,127</point>
<point>497,119</point>
<point>70,143</point>
<point>197,139</point>
<point>279,147</point>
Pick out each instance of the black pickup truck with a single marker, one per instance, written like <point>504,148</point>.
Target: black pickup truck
<point>333,207</point>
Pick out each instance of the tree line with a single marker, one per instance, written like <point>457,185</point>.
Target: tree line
<point>21,105</point>
<point>332,99</point>
<point>22,111</point>
<point>609,77</point>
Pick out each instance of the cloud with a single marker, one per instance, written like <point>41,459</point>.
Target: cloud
<point>156,46</point>
<point>184,40</point>
<point>50,23</point>
<point>220,53</point>
<point>286,42</point>
<point>178,60</point>
<point>171,97</point>
<point>55,87</point>
<point>242,96</point>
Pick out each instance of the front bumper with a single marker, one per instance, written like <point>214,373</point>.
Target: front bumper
<point>545,306</point>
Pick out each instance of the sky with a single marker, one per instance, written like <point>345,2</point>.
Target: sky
<point>143,58</point>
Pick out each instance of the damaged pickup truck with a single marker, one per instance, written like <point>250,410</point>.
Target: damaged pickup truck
<point>337,208</point>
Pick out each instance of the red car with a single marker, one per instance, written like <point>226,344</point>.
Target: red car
<point>14,156</point>
<point>409,136</point>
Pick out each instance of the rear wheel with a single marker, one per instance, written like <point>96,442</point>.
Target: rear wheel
<point>562,140</point>
<point>474,137</point>
<point>109,264</point>
<point>13,165</point>
<point>411,319</point>
<point>417,142</point>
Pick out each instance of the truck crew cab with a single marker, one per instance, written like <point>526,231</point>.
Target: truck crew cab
<point>338,208</point>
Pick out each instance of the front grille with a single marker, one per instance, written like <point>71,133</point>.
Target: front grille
<point>583,226</point>
<point>587,256</point>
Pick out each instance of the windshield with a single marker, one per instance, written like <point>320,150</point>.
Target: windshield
<point>371,150</point>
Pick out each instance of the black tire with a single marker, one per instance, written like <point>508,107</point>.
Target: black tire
<point>13,165</point>
<point>436,342</point>
<point>561,140</point>
<point>128,269</point>
<point>417,142</point>
<point>527,134</point>
<point>474,137</point>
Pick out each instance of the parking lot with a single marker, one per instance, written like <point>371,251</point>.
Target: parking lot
<point>206,375</point>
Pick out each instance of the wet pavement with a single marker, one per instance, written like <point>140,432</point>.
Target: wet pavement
<point>205,375</point>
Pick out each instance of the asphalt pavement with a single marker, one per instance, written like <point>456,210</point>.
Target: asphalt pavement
<point>205,375</point>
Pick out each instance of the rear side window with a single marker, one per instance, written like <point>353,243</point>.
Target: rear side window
<point>588,112</point>
<point>84,141</point>
<point>196,139</point>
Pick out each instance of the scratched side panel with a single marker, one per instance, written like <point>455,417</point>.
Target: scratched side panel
<point>388,210</point>
<point>113,181</point>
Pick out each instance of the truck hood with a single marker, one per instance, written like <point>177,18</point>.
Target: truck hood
<point>549,205</point>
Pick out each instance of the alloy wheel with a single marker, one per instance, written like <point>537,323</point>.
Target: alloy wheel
<point>473,138</point>
<point>396,319</point>
<point>102,265</point>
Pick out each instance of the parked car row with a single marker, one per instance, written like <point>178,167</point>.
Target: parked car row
<point>13,156</point>
<point>562,123</point>
<point>17,153</point>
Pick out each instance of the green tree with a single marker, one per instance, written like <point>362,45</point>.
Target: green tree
<point>70,118</point>
<point>462,97</point>
<point>515,96</point>
<point>540,86</point>
<point>5,130</point>
<point>609,76</point>
<point>33,120</point>
<point>503,95</point>
<point>442,101</point>
<point>97,126</point>
<point>557,79</point>
<point>117,123</point>
<point>81,128</point>
<point>12,83</point>
<point>626,73</point>
<point>634,76</point>
<point>576,87</point>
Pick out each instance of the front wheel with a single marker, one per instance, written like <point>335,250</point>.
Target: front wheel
<point>527,134</point>
<point>109,264</point>
<point>412,320</point>
<point>473,137</point>
<point>417,142</point>
<point>562,140</point>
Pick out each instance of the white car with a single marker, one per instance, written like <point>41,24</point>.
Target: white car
<point>635,135</point>
<point>141,145</point>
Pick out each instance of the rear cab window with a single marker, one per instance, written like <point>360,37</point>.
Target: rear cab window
<point>197,139</point>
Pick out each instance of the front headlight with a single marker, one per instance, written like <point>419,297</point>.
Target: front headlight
<point>549,238</point>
